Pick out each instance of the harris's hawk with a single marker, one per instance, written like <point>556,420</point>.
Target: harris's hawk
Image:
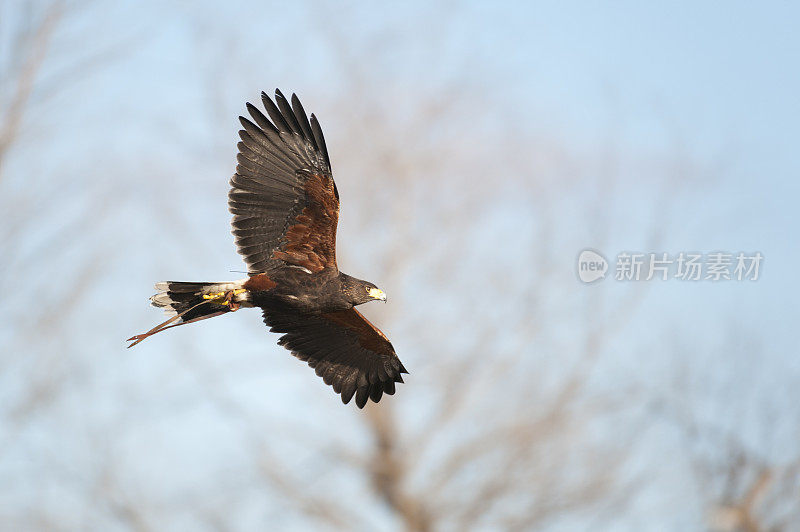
<point>285,209</point>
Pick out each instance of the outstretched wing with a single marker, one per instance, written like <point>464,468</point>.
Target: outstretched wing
<point>345,349</point>
<point>283,198</point>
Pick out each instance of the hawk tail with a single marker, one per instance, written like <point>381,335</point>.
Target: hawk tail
<point>188,302</point>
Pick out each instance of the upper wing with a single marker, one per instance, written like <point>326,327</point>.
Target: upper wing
<point>345,349</point>
<point>283,198</point>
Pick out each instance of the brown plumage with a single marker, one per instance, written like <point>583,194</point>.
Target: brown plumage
<point>311,242</point>
<point>286,209</point>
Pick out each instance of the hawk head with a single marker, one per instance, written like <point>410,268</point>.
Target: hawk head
<point>358,291</point>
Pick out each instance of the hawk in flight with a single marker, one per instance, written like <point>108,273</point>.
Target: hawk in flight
<point>285,209</point>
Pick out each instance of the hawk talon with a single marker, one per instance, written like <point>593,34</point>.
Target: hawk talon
<point>229,301</point>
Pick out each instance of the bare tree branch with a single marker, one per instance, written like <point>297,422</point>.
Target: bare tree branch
<point>33,59</point>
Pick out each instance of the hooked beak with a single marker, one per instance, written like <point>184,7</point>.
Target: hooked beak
<point>377,293</point>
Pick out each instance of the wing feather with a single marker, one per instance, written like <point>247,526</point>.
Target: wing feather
<point>260,119</point>
<point>302,119</point>
<point>283,197</point>
<point>274,113</point>
<point>343,347</point>
<point>287,112</point>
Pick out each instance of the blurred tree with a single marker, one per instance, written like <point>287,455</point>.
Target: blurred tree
<point>502,435</point>
<point>468,216</point>
<point>745,485</point>
<point>42,228</point>
<point>29,43</point>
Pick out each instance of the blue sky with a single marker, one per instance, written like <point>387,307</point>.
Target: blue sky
<point>713,86</point>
